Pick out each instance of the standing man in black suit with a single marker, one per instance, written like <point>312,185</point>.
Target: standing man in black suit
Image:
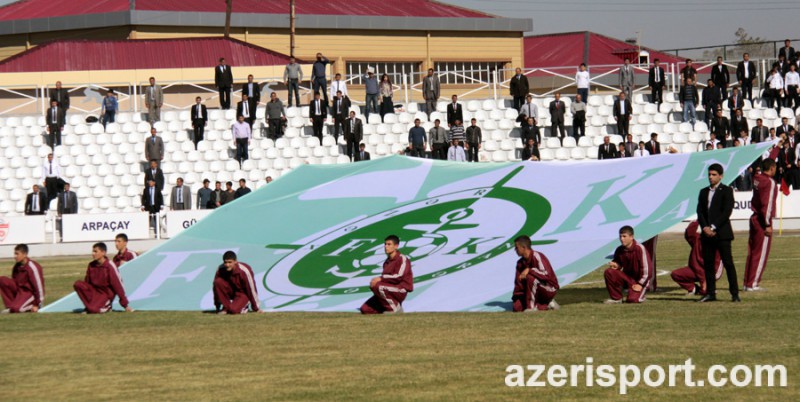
<point>787,51</point>
<point>653,146</point>
<point>252,90</point>
<point>67,204</point>
<point>152,201</point>
<point>318,112</point>
<point>223,80</point>
<point>557,111</point>
<point>759,132</point>
<point>341,110</point>
<point>656,80</point>
<point>353,133</point>
<point>738,124</point>
<point>519,88</point>
<point>36,202</point>
<point>61,96</point>
<point>155,174</point>
<point>714,208</point>
<point>606,151</point>
<point>246,108</point>
<point>199,120</point>
<point>362,155</point>
<point>712,99</point>
<point>623,111</point>
<point>721,77</point>
<point>56,118</point>
<point>745,74</point>
<point>721,126</point>
<point>736,101</point>
<point>454,112</point>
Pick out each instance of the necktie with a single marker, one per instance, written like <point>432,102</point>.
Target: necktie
<point>180,195</point>
<point>51,167</point>
<point>362,156</point>
<point>152,197</point>
<point>245,110</point>
<point>339,107</point>
<point>65,201</point>
<point>154,140</point>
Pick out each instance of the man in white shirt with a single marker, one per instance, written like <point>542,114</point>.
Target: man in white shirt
<point>775,88</point>
<point>582,80</point>
<point>791,81</point>
<point>456,152</point>
<point>529,109</point>
<point>641,152</point>
<point>338,85</point>
<point>181,197</point>
<point>36,203</point>
<point>241,138</point>
<point>51,172</point>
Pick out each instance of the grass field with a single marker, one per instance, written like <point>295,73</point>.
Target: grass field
<point>444,356</point>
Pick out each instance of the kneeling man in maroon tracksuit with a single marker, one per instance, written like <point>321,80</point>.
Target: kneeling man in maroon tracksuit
<point>535,283</point>
<point>24,290</point>
<point>102,283</point>
<point>390,289</point>
<point>631,268</point>
<point>234,286</point>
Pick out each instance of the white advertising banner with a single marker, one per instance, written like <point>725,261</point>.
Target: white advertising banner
<point>178,221</point>
<point>103,227</point>
<point>22,229</point>
<point>790,205</point>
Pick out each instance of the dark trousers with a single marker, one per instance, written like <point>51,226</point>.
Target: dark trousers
<point>747,89</point>
<point>439,151</point>
<point>108,117</point>
<point>275,128</point>
<point>317,123</point>
<point>294,86</point>
<point>791,97</point>
<point>472,152</point>
<point>710,247</point>
<point>418,150</point>
<point>51,188</point>
<point>372,104</point>
<point>518,102</point>
<point>54,138</point>
<point>241,150</point>
<point>578,127</point>
<point>351,148</point>
<point>338,122</point>
<point>558,124</point>
<point>320,84</point>
<point>773,99</point>
<point>622,125</point>
<point>584,93</point>
<point>225,98</point>
<point>656,94</point>
<point>199,128</point>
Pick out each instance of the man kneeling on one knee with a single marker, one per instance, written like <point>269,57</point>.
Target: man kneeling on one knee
<point>535,283</point>
<point>390,289</point>
<point>631,268</point>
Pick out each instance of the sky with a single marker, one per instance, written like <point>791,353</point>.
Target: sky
<point>661,24</point>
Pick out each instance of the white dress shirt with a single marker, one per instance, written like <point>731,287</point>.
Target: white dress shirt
<point>241,130</point>
<point>338,86</point>
<point>50,169</point>
<point>640,153</point>
<point>582,79</point>
<point>456,153</point>
<point>530,110</point>
<point>791,78</point>
<point>775,81</point>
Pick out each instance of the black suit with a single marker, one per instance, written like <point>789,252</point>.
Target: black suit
<point>759,134</point>
<point>780,130</point>
<point>359,157</point>
<point>67,203</point>
<point>340,111</point>
<point>721,78</point>
<point>720,127</point>
<point>623,116</point>
<point>150,206</point>
<point>199,123</point>
<point>255,94</point>
<point>223,80</point>
<point>42,204</point>
<point>712,100</point>
<point>528,152</point>
<point>56,119</point>
<point>737,126</point>
<point>158,177</point>
<point>735,103</point>
<point>607,151</point>
<point>787,55</point>
<point>61,96</point>
<point>656,88</point>
<point>251,111</point>
<point>215,198</point>
<point>530,132</point>
<point>353,134</point>
<point>454,114</point>
<point>519,90</point>
<point>557,111</point>
<point>653,147</point>
<point>747,83</point>
<point>318,119</point>
<point>717,217</point>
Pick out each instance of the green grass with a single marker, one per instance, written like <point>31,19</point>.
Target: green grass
<point>444,356</point>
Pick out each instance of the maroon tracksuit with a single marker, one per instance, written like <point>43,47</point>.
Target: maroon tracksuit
<point>101,285</point>
<point>25,288</point>
<point>689,276</point>
<point>234,289</point>
<point>765,194</point>
<point>540,285</point>
<point>650,246</point>
<point>389,293</point>
<point>123,257</point>
<point>636,268</point>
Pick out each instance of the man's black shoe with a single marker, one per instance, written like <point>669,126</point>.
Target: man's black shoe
<point>708,298</point>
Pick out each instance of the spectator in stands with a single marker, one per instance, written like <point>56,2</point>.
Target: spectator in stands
<point>353,134</point>
<point>223,80</point>
<point>688,72</point>
<point>457,132</point>
<point>181,196</point>
<point>242,190</point>
<point>531,151</point>
<point>431,89</point>
<point>268,180</point>
<point>712,99</point>
<point>67,202</point>
<point>641,151</point>
<point>782,65</point>
<point>109,108</point>
<point>319,81</point>
<point>712,141</point>
<point>56,119</point>
<point>246,108</point>
<point>152,201</point>
<point>338,85</point>
<point>252,90</point>
<point>318,112</point>
<point>154,173</point>
<point>417,140</point>
<point>276,116</point>
<point>437,135</point>
<point>519,88</point>
<point>626,78</point>
<point>787,162</point>
<point>61,96</point>
<point>454,111</point>
<point>607,150</point>
<point>738,122</point>
<point>720,125</point>
<point>456,151</point>
<point>621,152</point>
<point>372,92</point>
<point>51,175</point>
<point>216,196</point>
<point>340,111</point>
<point>623,111</point>
<point>229,194</point>
<point>24,290</point>
<point>759,132</point>
<point>199,115</point>
<point>292,76</point>
<point>735,102</point>
<point>582,81</point>
<point>386,91</point>
<point>721,77</point>
<point>474,140</point>
<point>578,109</point>
<point>653,147</point>
<point>656,80</point>
<point>689,98</point>
<point>784,128</point>
<point>787,51</point>
<point>153,100</point>
<point>362,154</point>
<point>791,82</point>
<point>154,147</point>
<point>529,109</point>
<point>36,202</point>
<point>557,111</point>
<point>745,74</point>
<point>204,195</point>
<point>628,146</point>
<point>744,138</point>
<point>241,138</point>
<point>530,131</point>
<point>775,89</point>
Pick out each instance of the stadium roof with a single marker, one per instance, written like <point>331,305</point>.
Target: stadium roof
<point>573,48</point>
<point>80,55</point>
<point>26,16</point>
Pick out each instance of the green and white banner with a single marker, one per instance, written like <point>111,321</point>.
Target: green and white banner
<point>315,236</point>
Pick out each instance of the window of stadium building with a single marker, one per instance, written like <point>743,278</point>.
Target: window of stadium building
<point>357,69</point>
<point>467,72</point>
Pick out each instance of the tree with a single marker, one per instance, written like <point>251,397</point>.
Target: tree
<point>749,44</point>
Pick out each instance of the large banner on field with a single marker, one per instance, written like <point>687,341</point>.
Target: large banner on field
<point>315,236</point>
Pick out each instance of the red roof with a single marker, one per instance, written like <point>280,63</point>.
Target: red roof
<point>82,55</point>
<point>30,9</point>
<point>567,49</point>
